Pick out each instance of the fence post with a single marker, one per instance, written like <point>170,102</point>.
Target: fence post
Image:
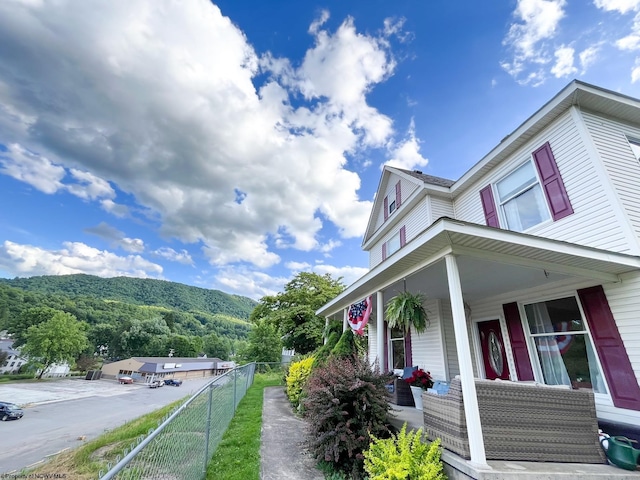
<point>235,388</point>
<point>207,433</point>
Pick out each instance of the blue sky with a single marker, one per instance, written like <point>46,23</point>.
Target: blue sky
<point>233,145</point>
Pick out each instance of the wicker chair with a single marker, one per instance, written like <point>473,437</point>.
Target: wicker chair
<point>526,422</point>
<point>400,393</point>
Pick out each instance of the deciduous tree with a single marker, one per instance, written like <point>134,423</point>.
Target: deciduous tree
<point>292,312</point>
<point>59,339</point>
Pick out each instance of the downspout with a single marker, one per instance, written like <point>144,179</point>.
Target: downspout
<point>471,410</point>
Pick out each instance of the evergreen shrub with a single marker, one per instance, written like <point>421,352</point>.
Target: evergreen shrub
<point>346,403</point>
<point>346,346</point>
<point>324,351</point>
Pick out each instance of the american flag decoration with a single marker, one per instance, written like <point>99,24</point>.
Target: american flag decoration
<point>359,315</point>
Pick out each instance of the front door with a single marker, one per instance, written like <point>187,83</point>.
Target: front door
<point>493,353</point>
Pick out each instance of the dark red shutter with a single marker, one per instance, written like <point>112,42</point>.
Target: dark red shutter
<point>408,354</point>
<point>552,184</point>
<point>622,382</point>
<point>398,196</point>
<point>384,251</point>
<point>403,237</point>
<point>386,208</point>
<point>489,207</point>
<point>518,342</point>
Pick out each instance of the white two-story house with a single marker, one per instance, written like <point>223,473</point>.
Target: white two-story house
<point>530,261</point>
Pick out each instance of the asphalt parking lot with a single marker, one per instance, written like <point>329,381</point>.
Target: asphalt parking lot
<point>62,414</point>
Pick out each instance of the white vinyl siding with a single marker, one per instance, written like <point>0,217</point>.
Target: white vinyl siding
<point>449,339</point>
<point>406,189</point>
<point>440,207</point>
<point>426,348</point>
<point>594,222</point>
<point>372,337</point>
<point>624,301</point>
<point>623,168</point>
<point>414,222</point>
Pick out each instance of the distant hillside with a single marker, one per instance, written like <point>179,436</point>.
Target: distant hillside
<point>138,291</point>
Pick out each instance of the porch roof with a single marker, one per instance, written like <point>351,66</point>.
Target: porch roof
<point>490,260</point>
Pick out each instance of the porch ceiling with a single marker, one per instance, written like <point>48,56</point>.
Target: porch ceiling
<point>490,261</point>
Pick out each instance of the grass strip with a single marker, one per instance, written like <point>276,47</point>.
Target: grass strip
<point>85,462</point>
<point>238,455</point>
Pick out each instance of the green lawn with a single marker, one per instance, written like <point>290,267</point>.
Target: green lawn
<point>238,455</point>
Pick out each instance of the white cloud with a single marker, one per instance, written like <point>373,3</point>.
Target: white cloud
<point>167,113</point>
<point>588,57</point>
<point>75,257</point>
<point>349,274</point>
<point>174,256</point>
<point>248,282</point>
<point>116,238</point>
<point>564,62</point>
<point>635,72</point>
<point>32,169</point>
<point>536,22</point>
<point>622,6</point>
<point>407,154</point>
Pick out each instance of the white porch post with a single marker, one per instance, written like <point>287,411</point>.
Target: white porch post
<point>326,325</point>
<point>471,411</point>
<point>345,319</point>
<point>380,330</point>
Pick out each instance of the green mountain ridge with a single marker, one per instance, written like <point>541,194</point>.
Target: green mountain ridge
<point>139,291</point>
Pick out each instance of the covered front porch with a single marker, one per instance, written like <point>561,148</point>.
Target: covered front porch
<point>457,468</point>
<point>469,274</point>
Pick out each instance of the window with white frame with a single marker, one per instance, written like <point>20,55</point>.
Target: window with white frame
<point>392,207</point>
<point>635,147</point>
<point>397,348</point>
<point>565,352</point>
<point>521,198</point>
<point>393,244</point>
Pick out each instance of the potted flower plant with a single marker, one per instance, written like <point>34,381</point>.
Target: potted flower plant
<point>406,310</point>
<point>419,381</point>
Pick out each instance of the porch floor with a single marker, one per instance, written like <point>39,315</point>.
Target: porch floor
<point>458,468</point>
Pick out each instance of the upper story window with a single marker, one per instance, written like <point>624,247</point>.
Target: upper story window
<point>528,196</point>
<point>392,202</point>
<point>395,243</point>
<point>392,207</point>
<point>635,147</point>
<point>521,199</point>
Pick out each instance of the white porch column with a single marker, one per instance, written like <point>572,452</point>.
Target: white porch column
<point>326,325</point>
<point>380,330</point>
<point>471,411</point>
<point>345,319</point>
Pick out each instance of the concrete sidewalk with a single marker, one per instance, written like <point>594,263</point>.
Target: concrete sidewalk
<point>282,451</point>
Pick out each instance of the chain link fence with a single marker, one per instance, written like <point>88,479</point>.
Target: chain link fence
<point>182,446</point>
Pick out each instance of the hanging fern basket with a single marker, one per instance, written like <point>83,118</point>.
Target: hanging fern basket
<point>405,310</point>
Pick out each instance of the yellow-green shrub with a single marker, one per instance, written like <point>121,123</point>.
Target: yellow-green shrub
<point>404,456</point>
<point>297,378</point>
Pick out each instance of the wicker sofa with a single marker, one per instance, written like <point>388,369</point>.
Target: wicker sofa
<point>526,422</point>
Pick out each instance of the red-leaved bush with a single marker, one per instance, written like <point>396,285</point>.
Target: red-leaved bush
<point>346,403</point>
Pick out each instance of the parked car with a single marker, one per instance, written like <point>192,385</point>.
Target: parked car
<point>125,380</point>
<point>156,384</point>
<point>173,381</point>
<point>10,411</point>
